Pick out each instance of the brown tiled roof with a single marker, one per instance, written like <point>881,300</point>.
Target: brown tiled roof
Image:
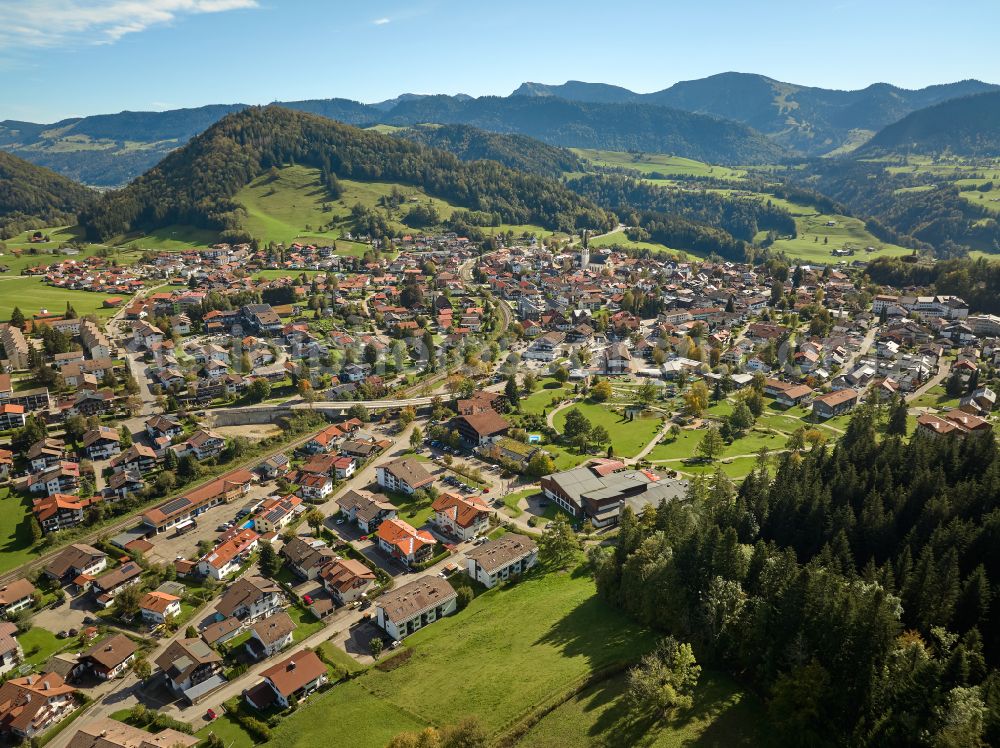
<point>291,674</point>
<point>112,651</point>
<point>273,628</point>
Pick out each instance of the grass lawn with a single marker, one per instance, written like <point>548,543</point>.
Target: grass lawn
<point>229,730</point>
<point>565,458</point>
<point>846,232</point>
<point>412,509</point>
<point>935,397</point>
<point>736,469</point>
<point>342,661</point>
<point>722,715</point>
<point>306,624</point>
<point>511,500</point>
<point>553,627</point>
<point>15,531</point>
<point>40,644</point>
<point>675,449</point>
<point>541,399</point>
<point>627,437</point>
<point>32,295</point>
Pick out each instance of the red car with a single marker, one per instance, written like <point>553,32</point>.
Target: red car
<point>307,599</point>
<point>210,715</point>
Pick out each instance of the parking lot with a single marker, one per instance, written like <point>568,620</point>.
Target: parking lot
<point>168,546</point>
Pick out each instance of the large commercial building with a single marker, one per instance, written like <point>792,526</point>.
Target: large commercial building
<point>598,490</point>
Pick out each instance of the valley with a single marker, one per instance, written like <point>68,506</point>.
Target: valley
<point>588,415</point>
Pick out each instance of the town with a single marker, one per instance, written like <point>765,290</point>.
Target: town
<point>268,467</point>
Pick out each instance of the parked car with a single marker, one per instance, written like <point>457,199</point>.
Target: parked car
<point>307,599</point>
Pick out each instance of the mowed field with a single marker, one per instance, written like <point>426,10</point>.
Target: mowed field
<point>627,437</point>
<point>32,296</point>
<point>660,163</point>
<point>722,716</point>
<point>15,531</point>
<point>512,651</point>
<point>296,207</point>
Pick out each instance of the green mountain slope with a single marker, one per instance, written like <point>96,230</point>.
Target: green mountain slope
<point>32,196</point>
<point>969,126</point>
<point>516,151</point>
<point>196,184</point>
<point>621,127</point>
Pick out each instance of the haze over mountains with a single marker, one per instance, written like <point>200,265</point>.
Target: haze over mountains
<point>730,118</point>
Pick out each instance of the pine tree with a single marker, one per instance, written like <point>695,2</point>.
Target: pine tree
<point>17,318</point>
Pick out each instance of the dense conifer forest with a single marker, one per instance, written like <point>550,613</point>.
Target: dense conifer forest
<point>854,587</point>
<point>195,184</point>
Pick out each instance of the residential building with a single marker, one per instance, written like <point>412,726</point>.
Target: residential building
<point>405,543</point>
<point>31,705</point>
<point>296,676</point>
<point>109,658</point>
<point>367,511</point>
<point>227,557</point>
<point>306,558</point>
<point>250,598</point>
<point>419,603</point>
<point>315,486</point>
<point>11,654</point>
<point>835,403</point>
<point>76,560</point>
<point>481,428</point>
<point>191,669</point>
<point>156,607</point>
<point>110,733</point>
<point>11,416</point>
<point>347,580</point>
<point>108,585</point>
<point>497,560</point>
<point>15,346</point>
<point>405,475</point>
<point>463,518</point>
<point>270,635</point>
<point>101,443</point>
<point>275,513</point>
<point>16,595</point>
<point>60,511</point>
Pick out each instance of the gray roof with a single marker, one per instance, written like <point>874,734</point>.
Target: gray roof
<point>505,550</point>
<point>582,483</point>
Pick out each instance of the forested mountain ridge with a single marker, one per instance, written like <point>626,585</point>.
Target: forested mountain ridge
<point>32,196</point>
<point>618,127</point>
<point>108,149</point>
<point>854,586</point>
<point>969,126</point>
<point>807,119</point>
<point>195,185</point>
<point>516,151</point>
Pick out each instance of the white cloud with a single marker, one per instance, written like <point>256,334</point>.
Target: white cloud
<point>381,21</point>
<point>53,23</point>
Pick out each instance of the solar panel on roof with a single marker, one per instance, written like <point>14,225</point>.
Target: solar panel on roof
<point>174,506</point>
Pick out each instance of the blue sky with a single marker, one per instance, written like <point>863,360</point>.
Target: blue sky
<point>61,58</point>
